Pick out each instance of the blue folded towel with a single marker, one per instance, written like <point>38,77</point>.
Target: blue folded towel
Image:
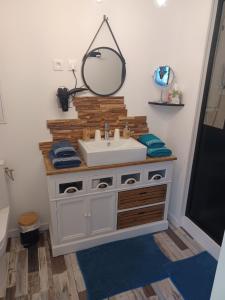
<point>151,140</point>
<point>63,149</point>
<point>64,162</point>
<point>159,152</point>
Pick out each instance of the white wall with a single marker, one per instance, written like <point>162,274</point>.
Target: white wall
<point>34,32</point>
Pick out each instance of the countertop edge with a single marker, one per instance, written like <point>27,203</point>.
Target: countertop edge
<point>50,170</point>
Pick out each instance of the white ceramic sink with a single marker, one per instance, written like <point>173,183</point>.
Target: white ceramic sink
<point>115,151</point>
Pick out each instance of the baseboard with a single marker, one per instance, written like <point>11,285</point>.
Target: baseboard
<point>16,232</point>
<point>174,221</point>
<point>201,237</point>
<point>77,245</point>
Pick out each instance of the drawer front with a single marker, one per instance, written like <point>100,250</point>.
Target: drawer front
<point>141,197</point>
<point>129,179</point>
<point>69,188</point>
<point>140,216</point>
<point>102,183</point>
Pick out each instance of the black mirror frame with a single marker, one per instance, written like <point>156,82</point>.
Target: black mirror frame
<point>123,71</point>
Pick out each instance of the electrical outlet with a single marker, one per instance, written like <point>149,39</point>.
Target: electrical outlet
<point>58,64</point>
<point>72,64</point>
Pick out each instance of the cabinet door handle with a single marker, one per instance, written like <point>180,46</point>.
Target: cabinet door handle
<point>71,190</point>
<point>156,177</point>
<point>130,181</point>
<point>85,215</point>
<point>102,185</point>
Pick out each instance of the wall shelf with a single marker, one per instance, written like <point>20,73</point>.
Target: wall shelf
<point>164,104</point>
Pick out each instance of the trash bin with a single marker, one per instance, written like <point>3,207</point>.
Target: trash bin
<point>29,229</point>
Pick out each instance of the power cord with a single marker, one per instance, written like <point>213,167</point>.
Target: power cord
<point>75,77</point>
<point>64,93</point>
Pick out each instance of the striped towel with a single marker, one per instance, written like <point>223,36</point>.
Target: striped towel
<point>63,149</point>
<point>64,162</point>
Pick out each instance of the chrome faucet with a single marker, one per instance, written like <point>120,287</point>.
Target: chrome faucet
<point>107,133</point>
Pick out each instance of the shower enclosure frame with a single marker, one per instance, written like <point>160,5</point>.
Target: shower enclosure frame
<point>188,223</point>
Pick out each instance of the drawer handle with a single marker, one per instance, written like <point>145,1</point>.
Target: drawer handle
<point>130,181</point>
<point>102,185</point>
<point>141,213</point>
<point>156,177</point>
<point>71,190</point>
<point>143,193</point>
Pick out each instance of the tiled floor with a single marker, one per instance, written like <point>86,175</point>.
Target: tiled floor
<point>35,274</point>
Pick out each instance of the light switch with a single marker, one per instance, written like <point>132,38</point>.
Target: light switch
<point>58,64</point>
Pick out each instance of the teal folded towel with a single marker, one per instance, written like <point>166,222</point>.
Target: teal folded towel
<point>159,152</point>
<point>151,140</point>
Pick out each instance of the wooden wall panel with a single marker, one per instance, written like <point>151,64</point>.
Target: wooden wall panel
<point>93,112</point>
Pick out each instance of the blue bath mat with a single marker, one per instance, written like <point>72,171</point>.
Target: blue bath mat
<point>194,276</point>
<point>128,264</point>
<point>119,266</point>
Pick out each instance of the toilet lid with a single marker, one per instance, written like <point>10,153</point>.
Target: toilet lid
<point>28,219</point>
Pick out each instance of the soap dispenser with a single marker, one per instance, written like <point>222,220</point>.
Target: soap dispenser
<point>126,132</point>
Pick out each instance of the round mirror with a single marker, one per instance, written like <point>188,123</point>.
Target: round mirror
<point>163,76</point>
<point>103,71</point>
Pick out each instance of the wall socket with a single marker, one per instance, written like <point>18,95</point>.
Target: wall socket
<point>72,63</point>
<point>58,64</point>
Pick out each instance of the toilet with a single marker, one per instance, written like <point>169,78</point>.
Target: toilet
<point>4,220</point>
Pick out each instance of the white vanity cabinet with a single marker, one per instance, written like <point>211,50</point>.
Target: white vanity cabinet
<point>93,207</point>
<point>78,217</point>
<point>72,217</point>
<point>102,213</point>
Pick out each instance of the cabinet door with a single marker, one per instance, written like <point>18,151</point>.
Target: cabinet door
<point>72,219</point>
<point>102,213</point>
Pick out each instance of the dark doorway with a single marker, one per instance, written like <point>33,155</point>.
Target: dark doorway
<point>206,200</point>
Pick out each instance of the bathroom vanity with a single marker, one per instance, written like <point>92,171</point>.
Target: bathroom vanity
<point>117,192</point>
<point>94,205</point>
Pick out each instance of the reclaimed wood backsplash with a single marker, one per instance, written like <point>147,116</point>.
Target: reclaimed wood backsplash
<point>93,112</point>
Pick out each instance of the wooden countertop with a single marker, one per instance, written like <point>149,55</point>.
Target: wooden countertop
<point>50,170</point>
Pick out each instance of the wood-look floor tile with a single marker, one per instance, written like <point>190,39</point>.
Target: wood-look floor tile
<point>33,283</point>
<point>71,278</point>
<point>51,294</point>
<point>139,294</point>
<point>22,297</point>
<point>168,247</point>
<point>180,244</point>
<point>3,284</point>
<point>41,242</point>
<point>8,247</point>
<point>22,274</point>
<point>61,286</point>
<point>43,269</point>
<point>10,293</point>
<point>77,274</point>
<point>192,244</point>
<point>83,295</point>
<point>166,290</point>
<point>16,244</point>
<point>136,294</point>
<point>149,292</point>
<point>60,278</point>
<point>58,264</point>
<point>33,259</point>
<point>12,263</point>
